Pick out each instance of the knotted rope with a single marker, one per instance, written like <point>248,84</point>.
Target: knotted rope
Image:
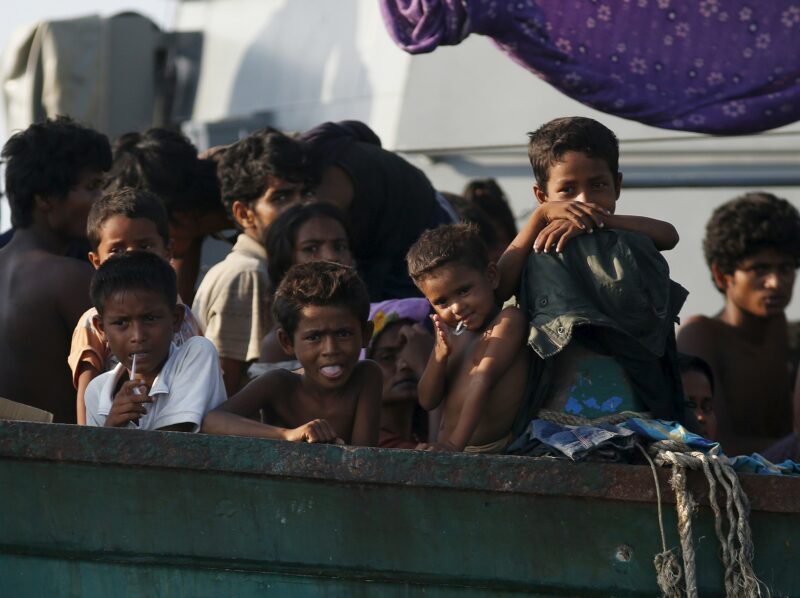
<point>732,525</point>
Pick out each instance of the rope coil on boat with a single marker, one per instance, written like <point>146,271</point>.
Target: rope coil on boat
<point>732,526</point>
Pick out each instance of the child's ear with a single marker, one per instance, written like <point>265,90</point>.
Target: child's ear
<point>97,320</point>
<point>539,193</point>
<point>618,183</point>
<point>493,274</point>
<point>719,277</point>
<point>95,260</point>
<point>168,250</point>
<point>242,214</point>
<point>178,314</point>
<point>368,329</point>
<point>285,341</point>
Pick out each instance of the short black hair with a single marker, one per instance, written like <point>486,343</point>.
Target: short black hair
<point>48,159</point>
<point>282,235</point>
<point>247,166</point>
<point>548,144</point>
<point>471,213</point>
<point>692,363</point>
<point>165,162</point>
<point>446,244</point>
<point>319,283</point>
<point>134,270</point>
<point>748,224</point>
<point>131,203</point>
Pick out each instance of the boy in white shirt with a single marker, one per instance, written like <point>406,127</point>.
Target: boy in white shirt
<point>166,387</point>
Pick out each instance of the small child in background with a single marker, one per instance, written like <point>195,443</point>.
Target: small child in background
<point>698,389</point>
<point>479,364</point>
<point>489,197</point>
<point>125,220</point>
<point>322,310</point>
<point>155,385</point>
<point>303,233</point>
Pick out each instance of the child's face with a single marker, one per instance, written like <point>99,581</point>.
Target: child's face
<point>69,215</point>
<point>322,238</point>
<point>577,177</point>
<point>119,234</point>
<point>256,218</point>
<point>699,406</point>
<point>327,343</point>
<point>762,284</point>
<point>459,292</point>
<point>141,322</point>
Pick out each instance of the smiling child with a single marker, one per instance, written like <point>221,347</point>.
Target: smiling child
<point>322,310</point>
<point>169,388</point>
<point>481,373</point>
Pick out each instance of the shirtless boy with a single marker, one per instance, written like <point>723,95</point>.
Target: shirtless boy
<point>752,247</point>
<point>54,173</point>
<point>479,363</point>
<point>322,310</point>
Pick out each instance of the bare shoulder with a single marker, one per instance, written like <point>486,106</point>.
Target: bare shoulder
<point>702,336</point>
<point>510,323</point>
<point>268,388</point>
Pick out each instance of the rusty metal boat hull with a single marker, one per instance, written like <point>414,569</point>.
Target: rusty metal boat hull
<point>97,512</point>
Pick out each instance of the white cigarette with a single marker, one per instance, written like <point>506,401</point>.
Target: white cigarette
<point>133,372</point>
<point>460,328</point>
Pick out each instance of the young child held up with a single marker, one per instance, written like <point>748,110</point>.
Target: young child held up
<point>479,364</point>
<point>304,233</point>
<point>596,289</point>
<point>156,385</point>
<point>124,220</point>
<point>322,311</point>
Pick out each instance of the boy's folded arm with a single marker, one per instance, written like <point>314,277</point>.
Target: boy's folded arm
<point>663,234</point>
<point>502,347</point>
<point>366,423</point>
<point>514,258</point>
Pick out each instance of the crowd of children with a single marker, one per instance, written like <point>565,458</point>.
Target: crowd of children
<point>358,305</point>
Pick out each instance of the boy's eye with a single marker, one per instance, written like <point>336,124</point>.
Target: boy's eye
<point>690,404</point>
<point>280,198</point>
<point>342,247</point>
<point>464,290</point>
<point>118,322</point>
<point>308,193</point>
<point>344,333</point>
<point>600,185</point>
<point>311,337</point>
<point>312,249</point>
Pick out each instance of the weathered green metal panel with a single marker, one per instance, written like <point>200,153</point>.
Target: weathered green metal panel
<point>122,512</point>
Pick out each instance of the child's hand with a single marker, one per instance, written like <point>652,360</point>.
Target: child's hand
<point>441,447</point>
<point>441,332</point>
<point>318,430</point>
<point>586,216</point>
<point>555,235</point>
<point>129,404</point>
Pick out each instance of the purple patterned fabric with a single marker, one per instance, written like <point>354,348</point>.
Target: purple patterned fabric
<point>711,66</point>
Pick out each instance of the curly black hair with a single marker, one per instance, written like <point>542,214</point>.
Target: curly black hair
<point>319,283</point>
<point>165,162</point>
<point>446,244</point>
<point>748,224</point>
<point>131,203</point>
<point>48,159</point>
<point>548,144</point>
<point>489,197</point>
<point>247,166</point>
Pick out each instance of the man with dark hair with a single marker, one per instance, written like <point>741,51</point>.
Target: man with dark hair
<point>260,176</point>
<point>752,248</point>
<point>54,172</point>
